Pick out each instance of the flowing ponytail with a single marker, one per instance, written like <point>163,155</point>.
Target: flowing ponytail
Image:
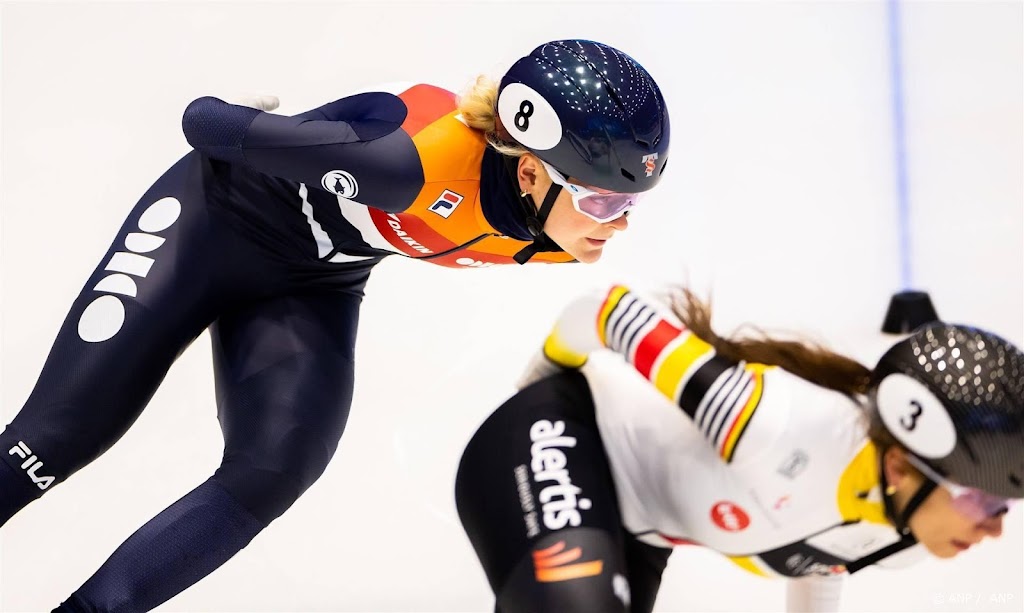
<point>806,360</point>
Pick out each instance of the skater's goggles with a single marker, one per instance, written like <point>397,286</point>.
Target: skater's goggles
<point>970,502</point>
<point>600,205</point>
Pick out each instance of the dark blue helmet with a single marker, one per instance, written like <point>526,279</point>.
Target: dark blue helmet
<point>589,110</point>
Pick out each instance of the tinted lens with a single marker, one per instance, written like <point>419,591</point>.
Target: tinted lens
<point>978,505</point>
<point>975,504</point>
<point>598,206</point>
<point>606,207</point>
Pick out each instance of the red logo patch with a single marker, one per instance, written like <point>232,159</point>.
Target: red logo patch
<point>729,517</point>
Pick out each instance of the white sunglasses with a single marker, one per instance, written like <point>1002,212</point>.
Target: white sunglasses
<point>602,207</point>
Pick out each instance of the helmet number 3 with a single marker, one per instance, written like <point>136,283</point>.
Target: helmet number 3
<point>909,422</point>
<point>523,116</point>
<point>916,417</point>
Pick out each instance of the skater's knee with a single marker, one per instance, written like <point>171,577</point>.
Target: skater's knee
<point>266,492</point>
<point>576,570</point>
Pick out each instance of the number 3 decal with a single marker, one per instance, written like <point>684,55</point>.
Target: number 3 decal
<point>909,422</point>
<point>915,416</point>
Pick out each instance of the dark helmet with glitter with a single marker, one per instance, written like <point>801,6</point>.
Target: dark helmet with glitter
<point>589,110</point>
<point>954,397</point>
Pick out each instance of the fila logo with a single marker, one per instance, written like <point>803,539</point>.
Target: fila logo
<point>103,318</point>
<point>446,203</point>
<point>31,465</point>
<point>648,161</point>
<point>553,564</point>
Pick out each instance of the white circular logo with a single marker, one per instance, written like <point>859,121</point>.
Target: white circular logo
<point>528,117</point>
<point>104,317</point>
<point>916,417</point>
<point>340,183</point>
<point>160,215</point>
<point>101,320</point>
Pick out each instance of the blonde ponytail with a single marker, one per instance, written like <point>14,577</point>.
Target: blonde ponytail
<point>478,106</point>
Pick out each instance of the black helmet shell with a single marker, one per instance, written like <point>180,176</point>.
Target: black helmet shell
<point>954,396</point>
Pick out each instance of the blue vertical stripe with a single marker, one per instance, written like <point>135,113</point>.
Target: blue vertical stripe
<point>899,145</point>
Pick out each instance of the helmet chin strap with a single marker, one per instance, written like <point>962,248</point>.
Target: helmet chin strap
<point>901,519</point>
<point>535,217</point>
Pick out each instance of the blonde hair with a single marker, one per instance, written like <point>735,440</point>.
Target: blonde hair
<point>478,105</point>
<point>805,359</point>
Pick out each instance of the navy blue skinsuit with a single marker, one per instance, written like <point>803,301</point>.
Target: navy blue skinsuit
<point>266,235</point>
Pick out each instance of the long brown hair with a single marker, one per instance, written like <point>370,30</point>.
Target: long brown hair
<point>805,359</point>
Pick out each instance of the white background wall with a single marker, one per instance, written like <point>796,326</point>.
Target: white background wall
<point>780,198</point>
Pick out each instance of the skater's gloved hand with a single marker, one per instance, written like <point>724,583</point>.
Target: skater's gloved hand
<point>258,102</point>
<point>571,340</point>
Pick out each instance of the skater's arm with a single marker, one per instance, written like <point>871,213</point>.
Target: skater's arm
<point>719,395</point>
<point>359,152</point>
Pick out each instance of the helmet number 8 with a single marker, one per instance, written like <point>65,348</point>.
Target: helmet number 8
<point>523,116</point>
<point>537,126</point>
